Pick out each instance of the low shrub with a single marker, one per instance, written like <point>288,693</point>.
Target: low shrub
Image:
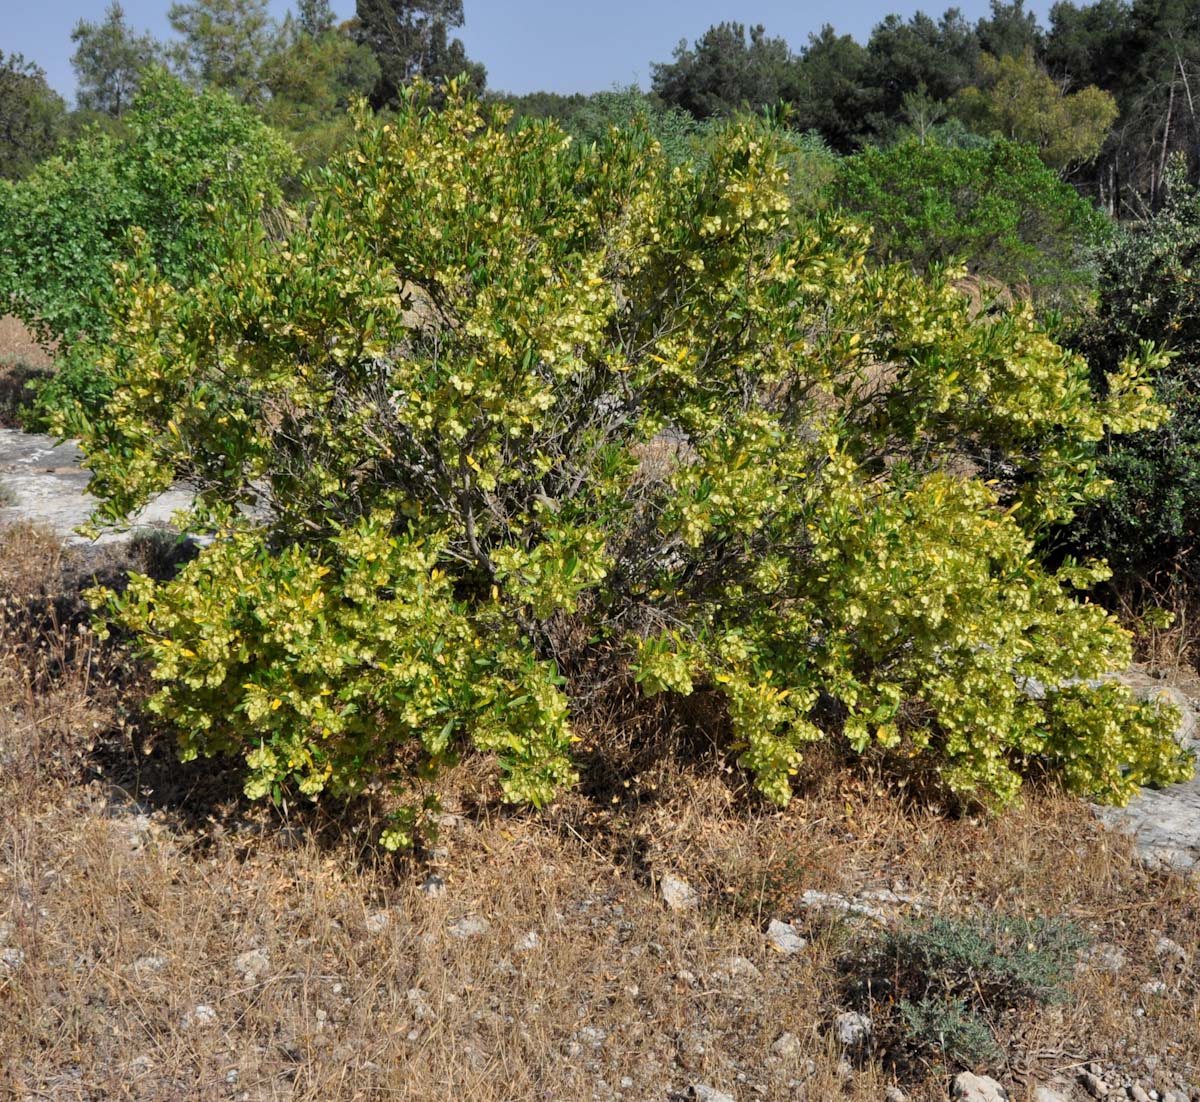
<point>996,208</point>
<point>939,986</point>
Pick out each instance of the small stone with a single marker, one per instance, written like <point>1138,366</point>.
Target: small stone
<point>702,1092</point>
<point>1166,948</point>
<point>468,926</point>
<point>199,1015</point>
<point>378,922</point>
<point>851,1028</point>
<point>787,1046</point>
<point>977,1088</point>
<point>1046,1094</point>
<point>1093,1084</point>
<point>829,901</point>
<point>590,1035</point>
<point>11,957</point>
<point>677,893</point>
<point>139,1065</point>
<point>433,886</point>
<point>148,966</point>
<point>894,1094</point>
<point>418,1004</point>
<point>1154,988</point>
<point>252,964</point>
<point>1107,958</point>
<point>686,977</point>
<point>844,1071</point>
<point>626,1082</point>
<point>528,941</point>
<point>1138,1093</point>
<point>742,969</point>
<point>783,938</point>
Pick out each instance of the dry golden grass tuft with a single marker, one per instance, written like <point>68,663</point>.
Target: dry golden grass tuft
<point>163,940</point>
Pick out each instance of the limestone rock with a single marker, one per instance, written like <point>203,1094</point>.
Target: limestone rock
<point>783,938</point>
<point>252,964</point>
<point>787,1046</point>
<point>852,1029</point>
<point>702,1092</point>
<point>968,1087</point>
<point>677,893</point>
<point>468,926</point>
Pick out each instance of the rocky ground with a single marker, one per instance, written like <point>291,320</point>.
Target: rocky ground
<point>45,483</point>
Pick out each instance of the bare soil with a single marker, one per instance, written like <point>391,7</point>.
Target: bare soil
<point>22,360</point>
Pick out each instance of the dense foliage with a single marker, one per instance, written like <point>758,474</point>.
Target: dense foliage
<point>1148,523</point>
<point>501,418</point>
<point>997,208</point>
<point>63,228</point>
<point>1018,101</point>
<point>32,116</point>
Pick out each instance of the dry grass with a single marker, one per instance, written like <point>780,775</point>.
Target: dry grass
<point>131,888</point>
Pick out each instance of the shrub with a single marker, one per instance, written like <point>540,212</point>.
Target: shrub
<point>501,417</point>
<point>64,227</point>
<point>996,208</point>
<point>944,1028</point>
<point>1147,524</point>
<point>950,980</point>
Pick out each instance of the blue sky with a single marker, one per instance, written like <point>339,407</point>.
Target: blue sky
<point>525,44</point>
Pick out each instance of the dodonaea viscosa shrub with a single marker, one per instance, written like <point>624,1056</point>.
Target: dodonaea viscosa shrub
<point>497,409</point>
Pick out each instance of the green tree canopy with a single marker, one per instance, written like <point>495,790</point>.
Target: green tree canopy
<point>1011,31</point>
<point>831,95</point>
<point>223,44</point>
<point>1147,55</point>
<point>1017,100</point>
<point>919,55</point>
<point>727,70</point>
<point>32,116</point>
<point>109,60</point>
<point>411,39</point>
<point>313,76</point>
